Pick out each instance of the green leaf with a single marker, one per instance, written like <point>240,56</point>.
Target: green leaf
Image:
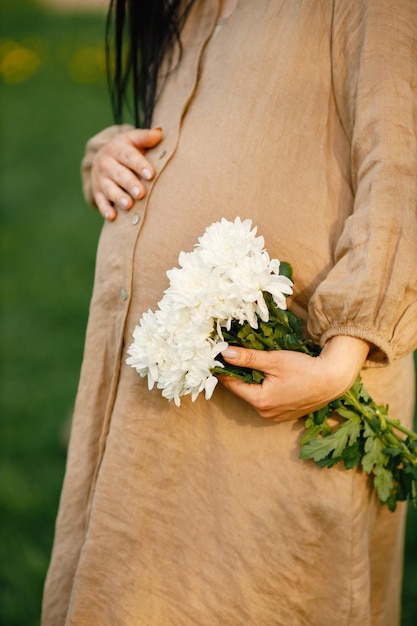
<point>347,413</point>
<point>285,269</point>
<point>384,483</point>
<point>318,449</point>
<point>374,456</point>
<point>257,376</point>
<point>321,415</point>
<point>312,432</point>
<point>395,452</point>
<point>348,433</point>
<point>352,456</point>
<point>412,470</point>
<point>361,391</point>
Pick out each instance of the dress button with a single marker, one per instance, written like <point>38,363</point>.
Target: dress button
<point>135,219</point>
<point>123,294</point>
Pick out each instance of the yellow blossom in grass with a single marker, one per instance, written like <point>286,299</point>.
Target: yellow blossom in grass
<point>18,61</point>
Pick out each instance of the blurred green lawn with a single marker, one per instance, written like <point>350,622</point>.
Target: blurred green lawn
<point>53,97</point>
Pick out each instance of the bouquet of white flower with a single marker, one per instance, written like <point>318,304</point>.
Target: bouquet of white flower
<point>228,291</point>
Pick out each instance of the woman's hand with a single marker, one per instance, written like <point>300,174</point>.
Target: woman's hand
<point>296,384</point>
<point>119,168</point>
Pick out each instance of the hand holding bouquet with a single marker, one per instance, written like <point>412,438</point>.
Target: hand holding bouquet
<point>228,291</point>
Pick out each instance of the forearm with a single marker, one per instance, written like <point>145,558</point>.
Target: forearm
<point>343,358</point>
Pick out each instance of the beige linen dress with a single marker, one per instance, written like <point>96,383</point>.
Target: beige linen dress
<point>300,115</point>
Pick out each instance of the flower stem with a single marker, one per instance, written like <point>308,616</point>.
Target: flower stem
<point>398,426</point>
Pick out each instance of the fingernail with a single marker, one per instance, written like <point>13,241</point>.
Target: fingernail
<point>106,215</point>
<point>135,191</point>
<point>158,128</point>
<point>124,202</point>
<point>229,353</point>
<point>146,174</point>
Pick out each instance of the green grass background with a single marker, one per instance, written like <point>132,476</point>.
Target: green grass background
<point>53,97</point>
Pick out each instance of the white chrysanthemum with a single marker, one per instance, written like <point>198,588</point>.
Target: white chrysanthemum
<point>221,280</point>
<point>199,377</point>
<point>187,371</point>
<point>253,277</point>
<point>226,243</point>
<point>192,284</point>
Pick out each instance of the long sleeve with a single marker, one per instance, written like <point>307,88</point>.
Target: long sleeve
<point>371,292</point>
<point>92,147</point>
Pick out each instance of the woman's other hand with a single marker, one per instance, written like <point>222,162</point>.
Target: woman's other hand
<point>296,384</point>
<point>119,169</point>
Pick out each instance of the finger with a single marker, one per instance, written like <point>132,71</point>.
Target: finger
<point>145,137</point>
<point>258,396</point>
<point>113,193</point>
<point>112,167</point>
<point>131,153</point>
<point>132,159</point>
<point>252,359</point>
<point>120,186</point>
<point>105,207</point>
